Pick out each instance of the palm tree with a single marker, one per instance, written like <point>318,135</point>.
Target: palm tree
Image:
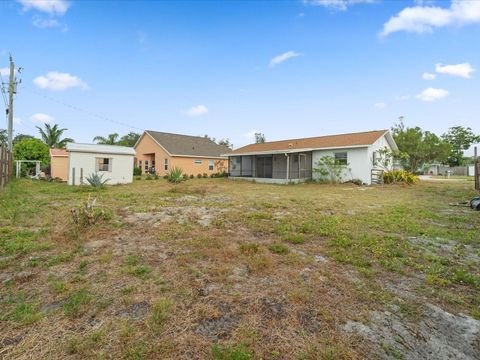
<point>111,139</point>
<point>51,136</point>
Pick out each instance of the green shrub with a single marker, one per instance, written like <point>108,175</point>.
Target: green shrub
<point>199,176</point>
<point>399,176</point>
<point>205,175</point>
<point>88,214</point>
<point>96,180</point>
<point>185,177</point>
<point>148,177</point>
<point>137,171</point>
<point>175,175</point>
<point>279,249</point>
<point>192,176</point>
<point>230,352</point>
<point>165,177</point>
<point>249,248</point>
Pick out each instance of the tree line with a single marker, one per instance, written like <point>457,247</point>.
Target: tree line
<point>418,147</point>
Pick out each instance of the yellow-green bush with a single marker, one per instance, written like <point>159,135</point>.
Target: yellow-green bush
<point>399,176</point>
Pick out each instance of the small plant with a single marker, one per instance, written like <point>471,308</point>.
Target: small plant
<point>295,239</point>
<point>185,176</point>
<point>138,178</point>
<point>399,176</point>
<point>148,177</point>
<point>199,176</point>
<point>175,175</point>
<point>88,214</point>
<point>192,176</point>
<point>249,248</point>
<point>330,169</point>
<point>156,177</point>
<point>205,175</point>
<point>137,171</point>
<point>278,249</point>
<point>160,313</point>
<point>231,352</point>
<point>165,177</point>
<point>96,180</point>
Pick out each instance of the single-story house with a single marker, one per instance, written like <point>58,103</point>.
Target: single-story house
<point>158,152</point>
<point>59,163</point>
<point>79,161</point>
<point>294,160</point>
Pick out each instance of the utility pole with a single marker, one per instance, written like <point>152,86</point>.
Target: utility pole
<point>11,91</point>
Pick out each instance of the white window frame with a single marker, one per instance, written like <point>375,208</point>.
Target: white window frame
<point>197,161</point>
<point>341,158</point>
<point>211,165</point>
<point>165,164</point>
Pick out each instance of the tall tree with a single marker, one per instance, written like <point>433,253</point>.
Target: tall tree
<point>20,137</point>
<point>52,136</point>
<point>418,147</point>
<point>3,136</point>
<point>111,139</point>
<point>31,149</point>
<point>225,142</point>
<point>130,139</point>
<point>460,139</point>
<point>259,138</point>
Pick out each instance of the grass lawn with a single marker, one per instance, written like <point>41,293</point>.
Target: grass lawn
<point>221,269</point>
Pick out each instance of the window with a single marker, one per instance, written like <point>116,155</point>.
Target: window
<point>211,164</point>
<point>165,164</point>
<point>146,165</point>
<point>375,158</point>
<point>341,158</point>
<point>104,164</point>
<point>140,164</point>
<point>197,162</point>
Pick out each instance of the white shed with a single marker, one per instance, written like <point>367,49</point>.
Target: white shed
<point>114,162</point>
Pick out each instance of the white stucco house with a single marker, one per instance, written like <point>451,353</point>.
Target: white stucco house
<point>294,160</point>
<point>114,162</point>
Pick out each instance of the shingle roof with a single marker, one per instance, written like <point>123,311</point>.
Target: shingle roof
<point>58,152</point>
<point>330,141</point>
<point>187,145</point>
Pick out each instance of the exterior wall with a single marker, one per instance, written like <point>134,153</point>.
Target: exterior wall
<point>380,144</point>
<point>358,159</point>
<point>59,167</point>
<point>190,168</point>
<point>122,167</point>
<point>148,149</point>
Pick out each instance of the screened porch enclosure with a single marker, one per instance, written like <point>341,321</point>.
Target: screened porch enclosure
<point>285,166</point>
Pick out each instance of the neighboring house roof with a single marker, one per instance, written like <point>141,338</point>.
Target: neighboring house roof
<point>361,139</point>
<point>100,149</point>
<point>187,145</point>
<point>58,152</point>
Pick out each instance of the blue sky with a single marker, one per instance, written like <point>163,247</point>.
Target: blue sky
<point>228,69</point>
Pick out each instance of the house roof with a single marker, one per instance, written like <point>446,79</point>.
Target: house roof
<point>58,152</point>
<point>187,145</point>
<point>361,139</point>
<point>100,149</point>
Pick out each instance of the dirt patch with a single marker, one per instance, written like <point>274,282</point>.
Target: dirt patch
<point>309,320</point>
<point>136,311</point>
<point>272,308</point>
<point>201,215</point>
<point>437,335</point>
<point>218,327</point>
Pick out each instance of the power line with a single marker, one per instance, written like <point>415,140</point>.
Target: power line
<point>82,110</point>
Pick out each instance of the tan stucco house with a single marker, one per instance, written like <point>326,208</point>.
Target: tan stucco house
<point>59,164</point>
<point>158,152</point>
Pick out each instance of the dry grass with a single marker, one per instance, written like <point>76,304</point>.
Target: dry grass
<point>226,270</point>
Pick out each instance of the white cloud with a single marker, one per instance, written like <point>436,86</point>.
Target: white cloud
<point>402,97</point>
<point>283,57</point>
<point>424,19</point>
<point>432,94</point>
<point>197,111</point>
<point>5,71</point>
<point>341,5</point>
<point>380,105</point>
<point>428,76</point>
<point>463,70</point>
<point>51,7</point>
<point>42,118</point>
<point>42,23</point>
<point>59,81</point>
<point>17,121</point>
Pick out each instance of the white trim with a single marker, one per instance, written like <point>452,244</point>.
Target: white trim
<point>297,150</point>
<point>146,132</point>
<point>100,149</point>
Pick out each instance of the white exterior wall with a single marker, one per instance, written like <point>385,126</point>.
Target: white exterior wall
<point>122,167</point>
<point>358,163</point>
<point>380,144</point>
